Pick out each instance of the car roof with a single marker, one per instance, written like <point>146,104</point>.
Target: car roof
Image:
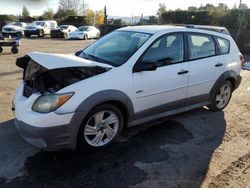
<point>157,28</point>
<point>149,29</point>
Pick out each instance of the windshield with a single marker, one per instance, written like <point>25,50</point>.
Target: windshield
<point>38,23</point>
<point>16,24</point>
<point>63,26</point>
<point>82,29</point>
<point>115,48</point>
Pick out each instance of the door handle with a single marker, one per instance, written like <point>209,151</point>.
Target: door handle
<point>219,65</point>
<point>182,72</point>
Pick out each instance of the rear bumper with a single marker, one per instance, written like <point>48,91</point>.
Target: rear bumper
<point>52,138</point>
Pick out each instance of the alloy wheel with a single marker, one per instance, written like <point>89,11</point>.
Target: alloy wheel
<point>101,128</point>
<point>223,96</point>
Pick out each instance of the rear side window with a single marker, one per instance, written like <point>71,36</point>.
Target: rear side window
<point>224,45</point>
<point>200,46</point>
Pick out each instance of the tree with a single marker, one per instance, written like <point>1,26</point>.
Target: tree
<point>222,6</point>
<point>94,17</point>
<point>78,6</point>
<point>48,14</point>
<point>161,11</point>
<point>61,13</point>
<point>25,12</point>
<point>243,6</point>
<point>192,8</point>
<point>152,20</point>
<point>117,22</point>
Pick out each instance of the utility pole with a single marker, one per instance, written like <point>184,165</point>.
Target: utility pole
<point>241,22</point>
<point>105,20</point>
<point>83,8</point>
<point>240,3</point>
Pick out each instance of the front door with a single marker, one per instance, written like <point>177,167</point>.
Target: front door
<point>165,88</point>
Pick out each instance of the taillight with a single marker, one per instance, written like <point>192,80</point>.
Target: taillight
<point>242,60</point>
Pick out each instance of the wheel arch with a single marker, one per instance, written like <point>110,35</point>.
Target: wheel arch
<point>226,76</point>
<point>114,97</point>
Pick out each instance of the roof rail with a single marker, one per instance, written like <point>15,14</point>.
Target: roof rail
<point>209,28</point>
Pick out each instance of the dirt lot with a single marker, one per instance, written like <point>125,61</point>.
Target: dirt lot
<point>193,149</point>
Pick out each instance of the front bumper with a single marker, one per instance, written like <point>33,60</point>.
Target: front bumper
<point>52,138</point>
<point>57,34</point>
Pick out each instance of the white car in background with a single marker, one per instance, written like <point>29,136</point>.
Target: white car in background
<point>14,28</point>
<point>128,77</point>
<point>85,32</point>
<point>62,31</point>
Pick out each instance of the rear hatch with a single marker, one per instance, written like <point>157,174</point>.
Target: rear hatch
<point>45,72</point>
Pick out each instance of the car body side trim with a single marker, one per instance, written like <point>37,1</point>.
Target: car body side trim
<point>167,113</point>
<point>171,106</point>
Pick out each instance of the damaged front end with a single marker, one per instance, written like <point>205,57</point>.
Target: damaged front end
<point>38,78</point>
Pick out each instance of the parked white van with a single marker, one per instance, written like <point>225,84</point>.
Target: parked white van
<point>40,28</point>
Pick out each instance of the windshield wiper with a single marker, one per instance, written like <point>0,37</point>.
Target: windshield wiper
<point>96,58</point>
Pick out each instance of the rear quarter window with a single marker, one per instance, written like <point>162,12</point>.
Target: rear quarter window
<point>224,45</point>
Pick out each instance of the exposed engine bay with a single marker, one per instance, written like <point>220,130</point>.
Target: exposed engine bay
<point>40,79</point>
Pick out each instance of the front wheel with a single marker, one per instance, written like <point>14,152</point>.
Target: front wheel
<point>222,97</point>
<point>101,127</point>
<point>41,33</point>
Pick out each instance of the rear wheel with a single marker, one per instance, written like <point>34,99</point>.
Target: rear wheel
<point>14,50</point>
<point>65,35</point>
<point>101,127</point>
<point>1,49</point>
<point>27,35</point>
<point>222,97</point>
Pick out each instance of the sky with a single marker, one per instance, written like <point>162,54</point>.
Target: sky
<point>114,7</point>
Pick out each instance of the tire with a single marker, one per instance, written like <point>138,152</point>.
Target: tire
<point>86,37</point>
<point>65,35</point>
<point>221,97</point>
<point>27,35</point>
<point>95,135</point>
<point>14,50</point>
<point>1,49</point>
<point>41,33</point>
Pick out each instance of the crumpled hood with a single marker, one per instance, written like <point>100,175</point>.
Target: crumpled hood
<point>44,72</point>
<point>54,61</point>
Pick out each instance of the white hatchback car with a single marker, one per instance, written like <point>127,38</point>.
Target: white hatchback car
<point>84,32</point>
<point>130,76</point>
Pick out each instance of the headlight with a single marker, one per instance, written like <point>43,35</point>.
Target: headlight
<point>49,103</point>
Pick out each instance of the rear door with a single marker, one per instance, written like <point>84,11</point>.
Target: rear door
<point>206,66</point>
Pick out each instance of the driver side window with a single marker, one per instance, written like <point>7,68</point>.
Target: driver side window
<point>166,50</point>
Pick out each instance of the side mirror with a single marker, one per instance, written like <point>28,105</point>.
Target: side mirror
<point>78,53</point>
<point>144,67</point>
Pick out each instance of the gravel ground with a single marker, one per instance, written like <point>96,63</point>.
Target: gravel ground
<point>193,149</point>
